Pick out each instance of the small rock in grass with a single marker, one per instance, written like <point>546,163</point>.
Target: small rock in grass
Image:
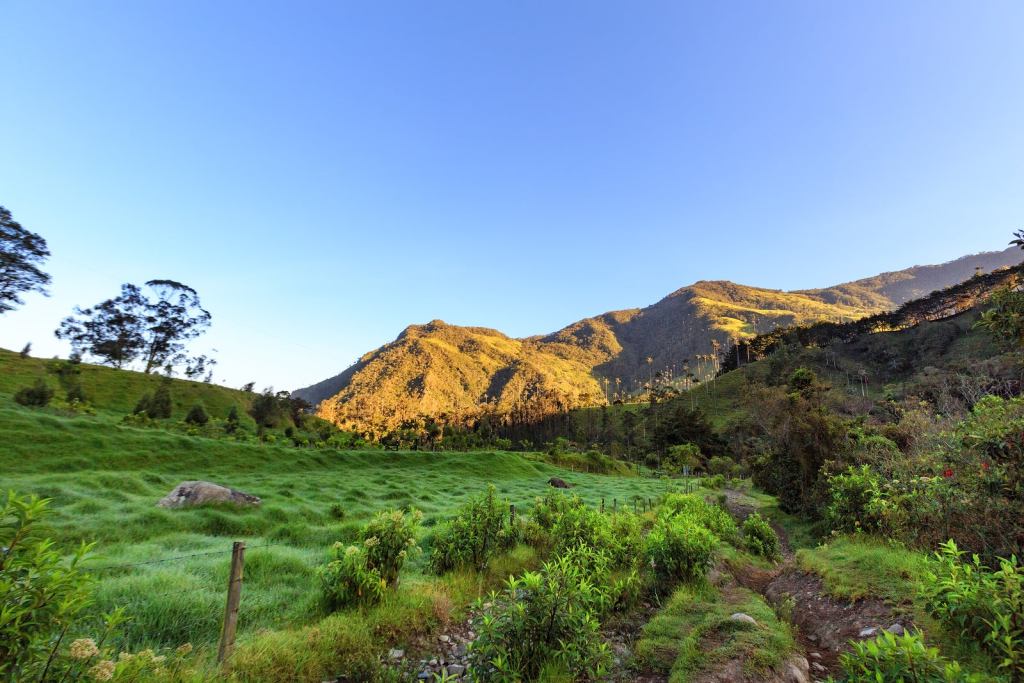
<point>396,654</point>
<point>559,483</point>
<point>743,618</point>
<point>815,655</point>
<point>896,629</point>
<point>456,669</point>
<point>818,667</point>
<point>868,632</point>
<point>444,639</point>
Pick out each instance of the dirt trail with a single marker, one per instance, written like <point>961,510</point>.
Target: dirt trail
<point>825,624</point>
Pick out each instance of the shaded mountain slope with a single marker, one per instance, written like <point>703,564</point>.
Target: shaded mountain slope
<point>451,372</point>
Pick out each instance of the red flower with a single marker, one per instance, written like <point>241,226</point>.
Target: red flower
<point>948,473</point>
<point>984,466</point>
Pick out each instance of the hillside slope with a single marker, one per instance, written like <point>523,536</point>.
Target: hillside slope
<point>115,392</point>
<point>450,372</point>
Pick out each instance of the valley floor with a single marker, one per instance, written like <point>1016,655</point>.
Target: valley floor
<point>169,568</point>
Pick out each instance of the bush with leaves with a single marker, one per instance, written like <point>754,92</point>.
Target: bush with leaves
<point>760,538</point>
<point>903,658</point>
<point>157,405</point>
<point>389,538</point>
<point>724,465</point>
<point>197,416</point>
<point>232,423</point>
<point>36,396</point>
<point>713,517</point>
<point>362,572</point>
<point>479,529</point>
<point>980,603</point>
<point>41,594</point>
<point>347,579</point>
<point>541,619</point>
<point>857,502</point>
<point>681,456</point>
<point>679,548</point>
<point>43,601</point>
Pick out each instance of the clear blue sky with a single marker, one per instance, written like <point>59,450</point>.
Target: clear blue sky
<point>326,173</point>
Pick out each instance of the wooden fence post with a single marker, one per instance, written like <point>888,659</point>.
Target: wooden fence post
<point>512,514</point>
<point>602,504</point>
<point>227,636</point>
<point>615,504</point>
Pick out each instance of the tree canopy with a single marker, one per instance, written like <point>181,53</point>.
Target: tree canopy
<point>151,326</point>
<point>21,255</point>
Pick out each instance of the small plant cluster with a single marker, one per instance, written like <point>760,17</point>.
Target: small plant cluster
<point>760,538</point>
<point>45,599</point>
<point>679,548</point>
<point>545,621</point>
<point>38,395</point>
<point>904,658</point>
<point>980,603</point>
<point>363,572</point>
<point>479,529</point>
<point>544,624</point>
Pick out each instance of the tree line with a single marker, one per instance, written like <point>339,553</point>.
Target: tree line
<point>149,325</point>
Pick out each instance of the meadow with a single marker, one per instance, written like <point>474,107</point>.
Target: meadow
<point>104,480</point>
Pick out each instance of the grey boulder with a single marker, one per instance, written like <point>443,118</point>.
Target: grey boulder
<point>190,493</point>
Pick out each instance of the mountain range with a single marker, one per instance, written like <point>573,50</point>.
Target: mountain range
<point>451,372</point>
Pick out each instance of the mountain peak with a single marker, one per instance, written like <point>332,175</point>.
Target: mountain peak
<point>441,369</point>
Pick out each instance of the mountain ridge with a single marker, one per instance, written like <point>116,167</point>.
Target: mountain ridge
<point>453,373</point>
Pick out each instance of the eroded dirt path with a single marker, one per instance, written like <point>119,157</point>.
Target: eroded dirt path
<point>824,624</point>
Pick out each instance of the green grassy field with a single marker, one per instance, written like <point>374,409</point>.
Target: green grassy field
<point>105,479</point>
<point>115,392</point>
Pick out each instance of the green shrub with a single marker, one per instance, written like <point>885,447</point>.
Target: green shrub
<point>679,548</point>
<point>760,538</point>
<point>857,502</point>
<point>389,538</point>
<point>713,517</point>
<point>540,619</point>
<point>716,481</point>
<point>578,524</point>
<point>678,457</point>
<point>41,594</point>
<point>981,604</point>
<point>347,579</point>
<point>361,573</point>
<point>197,416</point>
<point>232,422</point>
<point>480,528</point>
<point>158,404</point>
<point>36,396</point>
<point>903,658</point>
<point>724,465</point>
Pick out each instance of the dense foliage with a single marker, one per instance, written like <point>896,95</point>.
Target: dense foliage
<point>36,396</point>
<point>982,604</point>
<point>904,658</point>
<point>481,528</point>
<point>22,252</point>
<point>542,619</point>
<point>760,538</point>
<point>151,326</point>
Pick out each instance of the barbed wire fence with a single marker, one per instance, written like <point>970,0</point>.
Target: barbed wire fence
<point>237,551</point>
